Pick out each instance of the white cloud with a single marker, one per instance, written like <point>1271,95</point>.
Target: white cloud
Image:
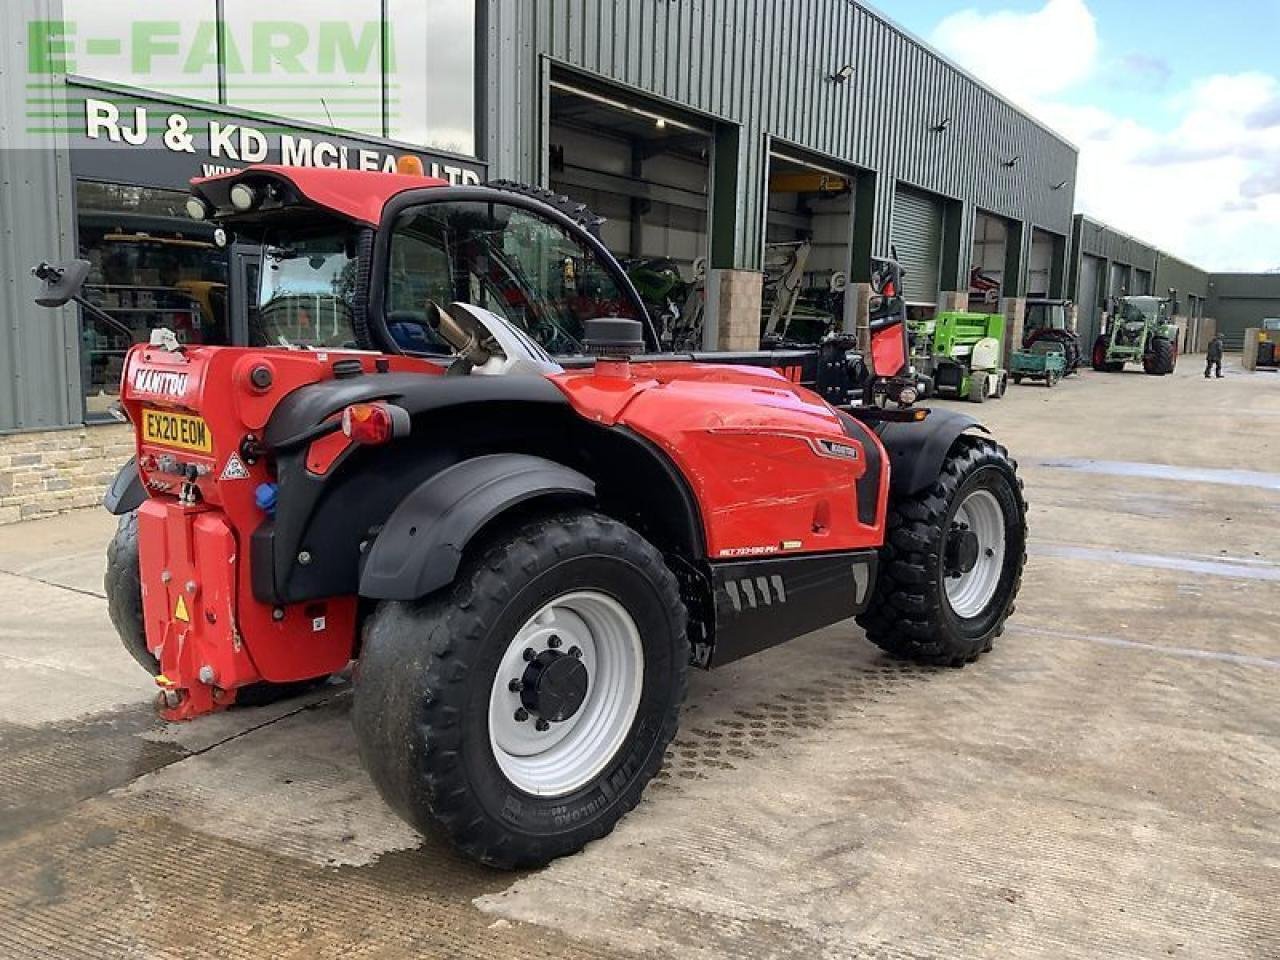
<point>1024,55</point>
<point>1206,189</point>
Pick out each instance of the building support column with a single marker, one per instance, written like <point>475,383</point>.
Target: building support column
<point>1014,310</point>
<point>1013,303</point>
<point>858,290</point>
<point>731,314</point>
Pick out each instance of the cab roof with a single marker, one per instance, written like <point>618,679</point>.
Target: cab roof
<point>359,195</point>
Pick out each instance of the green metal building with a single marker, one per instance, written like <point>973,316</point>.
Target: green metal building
<point>714,134</point>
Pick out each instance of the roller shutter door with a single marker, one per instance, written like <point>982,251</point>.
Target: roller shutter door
<point>917,236</point>
<point>1087,303</point>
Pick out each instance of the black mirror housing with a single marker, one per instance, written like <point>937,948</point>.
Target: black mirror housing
<point>61,282</point>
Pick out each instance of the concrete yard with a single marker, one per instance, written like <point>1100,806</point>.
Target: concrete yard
<point>1106,783</point>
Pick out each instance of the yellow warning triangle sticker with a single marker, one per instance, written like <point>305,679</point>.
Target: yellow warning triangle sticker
<point>180,611</point>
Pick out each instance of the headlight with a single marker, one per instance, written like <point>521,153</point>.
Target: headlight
<point>243,197</point>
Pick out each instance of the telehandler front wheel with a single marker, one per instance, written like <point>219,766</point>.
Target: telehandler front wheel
<point>521,711</point>
<point>952,561</point>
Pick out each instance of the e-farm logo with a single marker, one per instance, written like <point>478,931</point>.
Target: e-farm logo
<point>266,48</point>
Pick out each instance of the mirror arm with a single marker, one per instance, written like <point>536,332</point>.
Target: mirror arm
<point>97,313</point>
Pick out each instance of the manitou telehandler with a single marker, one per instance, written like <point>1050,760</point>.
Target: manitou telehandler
<point>523,553</point>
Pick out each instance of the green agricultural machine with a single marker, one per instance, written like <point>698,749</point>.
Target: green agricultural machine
<point>960,354</point>
<point>1138,330</point>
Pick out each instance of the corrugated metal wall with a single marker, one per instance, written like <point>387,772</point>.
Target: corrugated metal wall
<point>39,353</point>
<point>1099,240</point>
<point>764,65</point>
<point>1182,276</point>
<point>1241,300</point>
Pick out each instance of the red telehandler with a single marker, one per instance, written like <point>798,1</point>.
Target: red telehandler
<point>461,465</point>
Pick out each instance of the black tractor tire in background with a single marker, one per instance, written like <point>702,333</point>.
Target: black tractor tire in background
<point>1160,359</point>
<point>910,615</point>
<point>1070,345</point>
<point>429,669</point>
<point>123,585</point>
<point>1099,358</point>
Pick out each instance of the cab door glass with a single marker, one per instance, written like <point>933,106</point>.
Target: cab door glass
<point>530,271</point>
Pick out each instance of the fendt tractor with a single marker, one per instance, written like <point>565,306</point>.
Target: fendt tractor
<point>462,465</point>
<point>1137,330</point>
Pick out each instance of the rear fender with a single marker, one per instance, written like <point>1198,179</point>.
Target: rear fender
<point>421,545</point>
<point>918,449</point>
<point>126,492</point>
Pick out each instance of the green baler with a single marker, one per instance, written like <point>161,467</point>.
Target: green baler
<point>961,354</point>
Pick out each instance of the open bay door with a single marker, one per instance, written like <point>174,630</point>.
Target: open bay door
<point>806,250</point>
<point>645,167</point>
<point>917,237</point>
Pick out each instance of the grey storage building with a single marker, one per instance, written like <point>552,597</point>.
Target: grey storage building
<point>1106,262</point>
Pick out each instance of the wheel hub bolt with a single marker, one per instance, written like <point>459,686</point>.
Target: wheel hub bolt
<point>575,652</point>
<point>542,726</point>
<point>553,642</point>
<point>516,685</point>
<point>529,654</point>
<point>522,715</point>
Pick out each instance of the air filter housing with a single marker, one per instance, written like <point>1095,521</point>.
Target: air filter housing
<point>614,337</point>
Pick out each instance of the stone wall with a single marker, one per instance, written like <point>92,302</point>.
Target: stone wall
<point>55,470</point>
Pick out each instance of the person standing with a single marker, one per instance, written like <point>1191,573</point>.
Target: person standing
<point>1213,356</point>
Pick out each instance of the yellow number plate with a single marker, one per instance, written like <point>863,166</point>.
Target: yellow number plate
<point>176,430</point>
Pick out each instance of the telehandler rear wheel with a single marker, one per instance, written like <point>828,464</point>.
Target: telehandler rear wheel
<point>123,585</point>
<point>522,710</point>
<point>952,561</point>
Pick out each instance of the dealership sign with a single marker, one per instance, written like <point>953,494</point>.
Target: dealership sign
<point>123,138</point>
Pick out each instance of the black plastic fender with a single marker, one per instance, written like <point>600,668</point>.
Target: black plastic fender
<point>918,449</point>
<point>421,544</point>
<point>126,492</point>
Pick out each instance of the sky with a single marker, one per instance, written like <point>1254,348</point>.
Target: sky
<point>1174,106</point>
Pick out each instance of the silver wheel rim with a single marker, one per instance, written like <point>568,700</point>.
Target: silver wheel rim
<point>969,593</point>
<point>569,753</point>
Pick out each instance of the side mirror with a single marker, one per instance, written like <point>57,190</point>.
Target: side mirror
<point>61,281</point>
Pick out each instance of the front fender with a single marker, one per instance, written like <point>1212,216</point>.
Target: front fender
<point>126,492</point>
<point>422,542</point>
<point>918,449</point>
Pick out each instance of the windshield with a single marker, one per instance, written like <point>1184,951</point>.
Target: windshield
<point>1052,316</point>
<point>306,291</point>
<point>528,270</point>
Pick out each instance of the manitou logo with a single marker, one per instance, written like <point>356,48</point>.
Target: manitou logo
<point>163,383</point>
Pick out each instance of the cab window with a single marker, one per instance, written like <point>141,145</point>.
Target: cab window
<point>504,259</point>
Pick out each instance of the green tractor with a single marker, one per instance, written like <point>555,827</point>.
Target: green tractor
<point>960,354</point>
<point>1138,330</point>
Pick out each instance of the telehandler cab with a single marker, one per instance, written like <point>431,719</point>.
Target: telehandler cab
<point>524,554</point>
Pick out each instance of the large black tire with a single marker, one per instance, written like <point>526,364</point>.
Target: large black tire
<point>1160,359</point>
<point>123,585</point>
<point>578,212</point>
<point>910,615</point>
<point>428,670</point>
<point>1070,345</point>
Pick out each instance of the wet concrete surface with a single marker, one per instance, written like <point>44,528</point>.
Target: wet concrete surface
<point>1105,784</point>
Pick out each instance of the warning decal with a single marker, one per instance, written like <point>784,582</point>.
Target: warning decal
<point>235,469</point>
<point>180,610</point>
